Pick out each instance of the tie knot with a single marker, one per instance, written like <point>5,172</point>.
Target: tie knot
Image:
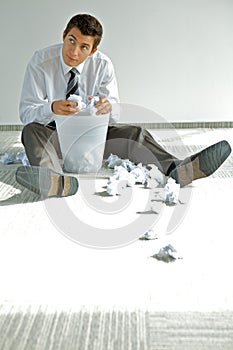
<point>73,71</point>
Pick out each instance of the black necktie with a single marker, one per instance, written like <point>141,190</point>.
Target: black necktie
<point>72,87</point>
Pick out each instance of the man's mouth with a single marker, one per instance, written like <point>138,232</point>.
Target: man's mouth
<point>72,58</point>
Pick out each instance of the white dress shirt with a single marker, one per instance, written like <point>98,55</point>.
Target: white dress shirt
<point>46,80</point>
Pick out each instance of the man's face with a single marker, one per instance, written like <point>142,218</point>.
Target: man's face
<point>76,47</point>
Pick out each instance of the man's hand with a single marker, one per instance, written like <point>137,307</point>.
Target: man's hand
<point>65,107</point>
<point>103,106</point>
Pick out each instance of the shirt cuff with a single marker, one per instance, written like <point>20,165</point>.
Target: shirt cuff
<point>47,113</point>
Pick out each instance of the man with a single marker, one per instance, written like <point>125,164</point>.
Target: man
<point>76,66</point>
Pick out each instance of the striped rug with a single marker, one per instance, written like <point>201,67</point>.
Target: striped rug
<point>47,328</point>
<point>44,328</point>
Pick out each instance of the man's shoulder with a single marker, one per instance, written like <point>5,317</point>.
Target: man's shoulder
<point>100,56</point>
<point>47,54</point>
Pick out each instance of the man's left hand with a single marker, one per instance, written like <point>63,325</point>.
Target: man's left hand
<point>103,106</point>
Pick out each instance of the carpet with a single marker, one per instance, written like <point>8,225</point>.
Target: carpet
<point>191,330</point>
<point>43,328</point>
<point>49,328</point>
<point>198,282</point>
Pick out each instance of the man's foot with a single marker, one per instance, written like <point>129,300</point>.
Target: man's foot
<point>46,182</point>
<point>201,164</point>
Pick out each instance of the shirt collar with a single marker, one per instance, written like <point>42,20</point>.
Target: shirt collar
<point>66,68</point>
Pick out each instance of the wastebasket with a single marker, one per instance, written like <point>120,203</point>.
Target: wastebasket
<point>82,140</point>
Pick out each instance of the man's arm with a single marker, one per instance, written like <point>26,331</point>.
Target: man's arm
<point>34,104</point>
<point>109,96</point>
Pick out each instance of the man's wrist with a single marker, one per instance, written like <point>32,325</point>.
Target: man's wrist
<point>52,110</point>
<point>47,111</point>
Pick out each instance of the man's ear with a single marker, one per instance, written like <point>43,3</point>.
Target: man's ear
<point>93,51</point>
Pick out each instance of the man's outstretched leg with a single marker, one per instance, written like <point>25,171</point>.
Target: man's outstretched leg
<point>201,164</point>
<point>126,141</point>
<point>136,144</point>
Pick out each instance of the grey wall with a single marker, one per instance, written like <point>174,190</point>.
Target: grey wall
<point>174,57</point>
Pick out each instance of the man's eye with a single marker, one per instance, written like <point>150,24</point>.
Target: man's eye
<point>84,48</point>
<point>71,41</point>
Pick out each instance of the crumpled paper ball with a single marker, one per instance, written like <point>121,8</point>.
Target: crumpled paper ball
<point>125,170</point>
<point>167,254</point>
<point>171,192</point>
<point>89,105</point>
<point>149,235</point>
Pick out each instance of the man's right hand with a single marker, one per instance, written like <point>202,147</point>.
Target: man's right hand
<point>64,107</point>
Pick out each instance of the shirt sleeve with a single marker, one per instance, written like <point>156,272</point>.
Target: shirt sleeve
<point>34,105</point>
<point>109,89</point>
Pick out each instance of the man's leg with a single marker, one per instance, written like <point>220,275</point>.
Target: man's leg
<point>136,144</point>
<point>42,146</point>
<point>201,164</point>
<point>44,176</point>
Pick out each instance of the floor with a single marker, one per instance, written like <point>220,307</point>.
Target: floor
<point>41,262</point>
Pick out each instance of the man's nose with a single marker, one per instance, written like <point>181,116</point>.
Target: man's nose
<point>76,50</point>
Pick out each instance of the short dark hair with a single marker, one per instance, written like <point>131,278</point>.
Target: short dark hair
<point>88,25</point>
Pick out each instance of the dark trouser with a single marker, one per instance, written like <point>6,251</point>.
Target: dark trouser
<point>127,141</point>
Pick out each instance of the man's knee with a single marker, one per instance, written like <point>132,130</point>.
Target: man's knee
<point>26,132</point>
<point>137,130</point>
<point>29,129</point>
<point>131,132</point>
<point>33,130</point>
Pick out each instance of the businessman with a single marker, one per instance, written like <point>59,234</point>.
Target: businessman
<point>76,66</point>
